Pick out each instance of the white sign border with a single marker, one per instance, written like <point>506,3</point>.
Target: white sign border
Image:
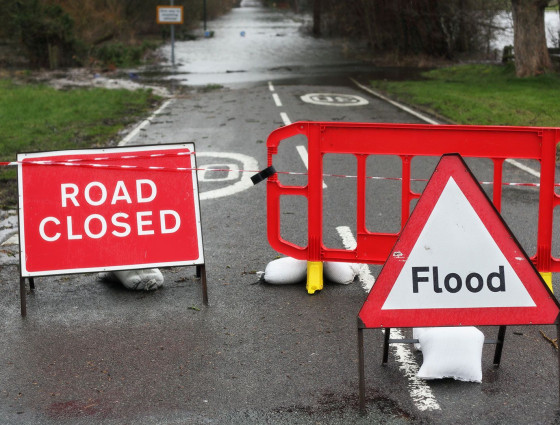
<point>141,148</point>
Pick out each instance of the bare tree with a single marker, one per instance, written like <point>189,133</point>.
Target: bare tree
<point>529,37</point>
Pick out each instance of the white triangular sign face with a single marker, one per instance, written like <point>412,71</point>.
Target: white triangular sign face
<point>456,263</point>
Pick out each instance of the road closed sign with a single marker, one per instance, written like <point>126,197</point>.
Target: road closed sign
<point>108,209</point>
<point>457,263</point>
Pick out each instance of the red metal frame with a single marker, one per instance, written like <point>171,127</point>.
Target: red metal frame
<point>406,141</point>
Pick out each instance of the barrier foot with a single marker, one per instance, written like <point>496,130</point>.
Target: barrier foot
<point>547,277</point>
<point>314,276</point>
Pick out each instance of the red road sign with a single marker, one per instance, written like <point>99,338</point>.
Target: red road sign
<point>108,209</point>
<point>457,263</point>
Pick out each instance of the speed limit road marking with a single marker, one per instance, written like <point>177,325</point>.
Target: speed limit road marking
<point>331,99</point>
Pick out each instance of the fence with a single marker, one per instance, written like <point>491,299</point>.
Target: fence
<point>405,141</point>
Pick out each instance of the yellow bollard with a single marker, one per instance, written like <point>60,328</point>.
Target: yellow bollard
<point>547,277</point>
<point>314,276</point>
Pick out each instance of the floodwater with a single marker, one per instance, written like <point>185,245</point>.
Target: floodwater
<point>504,35</point>
<point>254,44</point>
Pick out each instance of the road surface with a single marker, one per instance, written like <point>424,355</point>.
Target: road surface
<point>91,352</point>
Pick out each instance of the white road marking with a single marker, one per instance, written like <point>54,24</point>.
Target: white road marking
<point>431,121</point>
<point>285,118</point>
<point>333,99</point>
<point>249,163</point>
<point>277,100</point>
<point>397,104</point>
<point>144,123</point>
<point>524,167</point>
<point>13,240</point>
<point>420,392</point>
<point>349,242</point>
<point>304,157</point>
<point>270,86</point>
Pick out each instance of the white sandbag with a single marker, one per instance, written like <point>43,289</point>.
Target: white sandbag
<point>452,353</point>
<point>416,332</point>
<point>285,270</point>
<point>339,272</point>
<point>138,280</point>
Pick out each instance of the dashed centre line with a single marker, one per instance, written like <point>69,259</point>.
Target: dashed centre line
<point>419,391</point>
<point>285,119</point>
<point>277,100</point>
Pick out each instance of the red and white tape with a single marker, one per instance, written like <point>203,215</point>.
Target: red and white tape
<point>81,162</point>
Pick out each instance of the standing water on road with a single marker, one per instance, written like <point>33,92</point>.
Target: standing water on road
<point>254,44</point>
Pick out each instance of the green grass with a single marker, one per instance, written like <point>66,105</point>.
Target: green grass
<point>39,118</point>
<point>482,95</point>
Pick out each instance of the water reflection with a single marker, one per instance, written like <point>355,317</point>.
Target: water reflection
<point>503,35</point>
<point>253,44</point>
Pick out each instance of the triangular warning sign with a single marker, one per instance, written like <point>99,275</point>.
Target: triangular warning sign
<point>457,263</point>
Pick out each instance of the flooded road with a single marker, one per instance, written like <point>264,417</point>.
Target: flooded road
<point>254,44</point>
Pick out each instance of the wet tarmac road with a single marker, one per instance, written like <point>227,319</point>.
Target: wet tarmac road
<point>91,352</point>
<point>253,45</point>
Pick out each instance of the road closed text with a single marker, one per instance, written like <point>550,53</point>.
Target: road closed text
<point>143,221</point>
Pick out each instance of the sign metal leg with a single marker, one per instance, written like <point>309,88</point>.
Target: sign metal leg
<point>386,345</point>
<point>361,371</point>
<point>558,336</point>
<point>499,346</point>
<point>23,297</point>
<point>202,273</point>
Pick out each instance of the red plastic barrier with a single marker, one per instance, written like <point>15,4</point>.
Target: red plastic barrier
<point>405,141</point>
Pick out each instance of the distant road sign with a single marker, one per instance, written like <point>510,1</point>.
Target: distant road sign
<point>331,99</point>
<point>456,263</point>
<point>170,14</point>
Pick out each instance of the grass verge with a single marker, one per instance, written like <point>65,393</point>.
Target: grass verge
<point>36,117</point>
<point>482,95</point>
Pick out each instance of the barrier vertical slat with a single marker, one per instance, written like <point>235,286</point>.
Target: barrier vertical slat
<point>361,174</point>
<point>497,186</point>
<point>406,192</point>
<point>315,210</point>
<point>546,201</point>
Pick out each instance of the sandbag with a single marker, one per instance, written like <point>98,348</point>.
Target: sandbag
<point>451,353</point>
<point>285,271</point>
